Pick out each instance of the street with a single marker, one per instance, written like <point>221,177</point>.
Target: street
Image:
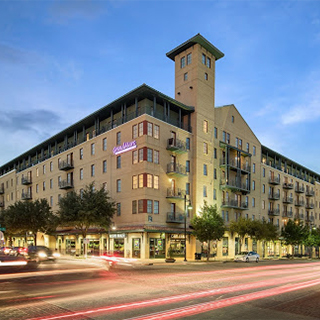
<point>85,289</point>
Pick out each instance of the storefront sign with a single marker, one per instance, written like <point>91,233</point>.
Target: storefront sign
<point>126,146</point>
<point>117,235</point>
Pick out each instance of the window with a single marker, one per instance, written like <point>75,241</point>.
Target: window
<point>44,186</point>
<point>150,129</point>
<point>253,202</point>
<point>240,144</point>
<point>119,185</point>
<point>254,150</point>
<point>92,149</point>
<point>149,180</point>
<point>208,62</point>
<point>215,133</point>
<point>134,182</point>
<point>189,58</point>
<point>232,119</point>
<point>206,77</point>
<point>140,129</point>
<point>149,155</point>
<point>185,76</point>
<point>141,155</point>
<point>81,174</point>
<point>215,173</point>
<point>92,170</point>
<point>140,180</point>
<point>135,157</point>
<point>156,131</point>
<point>118,209</point>
<point>44,169</point>
<point>156,182</point>
<point>135,131</point>
<point>205,126</point>
<point>187,165</point>
<point>205,191</point>
<point>51,166</point>
<point>188,143</point>
<point>37,188</point>
<point>104,144</point>
<point>119,138</point>
<point>134,206</point>
<point>149,206</point>
<point>118,162</point>
<point>253,185</point>
<point>156,156</point>
<point>237,142</point>
<point>215,153</point>
<point>224,136</point>
<point>254,168</point>
<point>156,207</point>
<point>263,204</point>
<point>140,206</point>
<point>182,62</point>
<point>214,194</point>
<point>81,153</point>
<point>263,188</point>
<point>228,138</point>
<point>205,170</point>
<point>188,188</point>
<point>51,201</point>
<point>104,166</point>
<point>204,58</point>
<point>51,183</point>
<point>248,147</point>
<point>205,148</point>
<point>263,172</point>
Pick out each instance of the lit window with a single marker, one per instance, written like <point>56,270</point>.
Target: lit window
<point>205,126</point>
<point>156,156</point>
<point>149,180</point>
<point>140,206</point>
<point>150,129</point>
<point>156,182</point>
<point>134,206</point>
<point>135,157</point>
<point>205,148</point>
<point>141,155</point>
<point>140,129</point>
<point>156,131</point>
<point>135,131</point>
<point>140,180</point>
<point>135,182</point>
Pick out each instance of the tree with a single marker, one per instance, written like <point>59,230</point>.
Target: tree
<point>29,217</point>
<point>86,209</point>
<point>208,225</point>
<point>242,227</point>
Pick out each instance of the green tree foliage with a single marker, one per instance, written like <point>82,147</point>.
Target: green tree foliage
<point>29,217</point>
<point>293,233</point>
<point>208,226</point>
<point>242,227</point>
<point>91,208</point>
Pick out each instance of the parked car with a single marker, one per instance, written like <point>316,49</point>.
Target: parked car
<point>247,256</point>
<point>40,253</point>
<point>5,250</point>
<point>18,251</point>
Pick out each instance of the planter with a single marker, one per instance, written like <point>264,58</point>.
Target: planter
<point>170,260</point>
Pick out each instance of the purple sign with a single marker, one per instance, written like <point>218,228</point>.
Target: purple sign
<point>126,146</point>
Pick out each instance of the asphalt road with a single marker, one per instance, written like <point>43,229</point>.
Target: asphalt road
<point>79,289</point>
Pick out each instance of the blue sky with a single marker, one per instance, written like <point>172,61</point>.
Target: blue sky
<point>62,60</point>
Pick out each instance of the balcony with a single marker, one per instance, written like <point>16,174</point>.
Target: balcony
<point>176,146</point>
<point>299,203</point>
<point>287,200</point>
<point>65,184</point>
<point>234,204</point>
<point>176,170</point>
<point>309,205</point>
<point>235,165</point>
<point>274,180</point>
<point>26,181</point>
<point>273,212</point>
<point>310,218</point>
<point>274,196</point>
<point>234,185</point>
<point>1,190</point>
<point>299,189</point>
<point>287,214</point>
<point>26,195</point>
<point>175,217</point>
<point>66,165</point>
<point>309,193</point>
<point>287,185</point>
<point>175,194</point>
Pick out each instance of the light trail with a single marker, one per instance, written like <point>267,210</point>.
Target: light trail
<point>209,306</point>
<point>181,297</point>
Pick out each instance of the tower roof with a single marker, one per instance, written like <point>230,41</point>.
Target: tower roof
<point>189,43</point>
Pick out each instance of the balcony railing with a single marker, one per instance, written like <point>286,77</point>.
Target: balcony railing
<point>287,200</point>
<point>287,185</point>
<point>26,180</point>
<point>299,189</point>
<point>309,193</point>
<point>274,196</point>
<point>309,205</point>
<point>175,194</point>
<point>234,185</point>
<point>176,146</point>
<point>175,217</point>
<point>299,203</point>
<point>26,195</point>
<point>234,204</point>
<point>273,212</point>
<point>233,164</point>
<point>1,190</point>
<point>310,218</point>
<point>274,180</point>
<point>65,184</point>
<point>287,214</point>
<point>175,169</point>
<point>66,165</point>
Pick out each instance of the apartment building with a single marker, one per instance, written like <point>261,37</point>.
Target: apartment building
<point>155,155</point>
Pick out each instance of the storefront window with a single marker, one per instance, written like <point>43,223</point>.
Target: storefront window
<point>157,248</point>
<point>118,247</point>
<point>225,246</point>
<point>136,248</point>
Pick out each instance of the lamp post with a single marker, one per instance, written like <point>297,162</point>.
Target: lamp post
<point>186,208</point>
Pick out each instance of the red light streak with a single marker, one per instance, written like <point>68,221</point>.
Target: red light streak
<point>183,297</point>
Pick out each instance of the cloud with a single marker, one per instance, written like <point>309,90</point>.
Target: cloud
<point>10,54</point>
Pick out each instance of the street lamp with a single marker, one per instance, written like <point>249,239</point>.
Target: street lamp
<point>186,208</point>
